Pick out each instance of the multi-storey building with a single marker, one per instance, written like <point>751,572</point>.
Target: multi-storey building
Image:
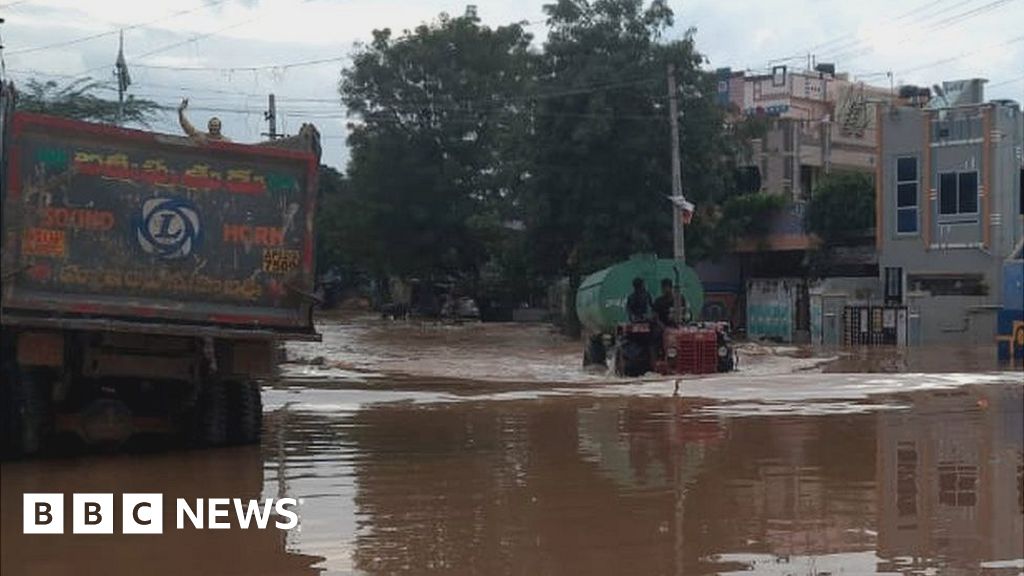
<point>815,122</point>
<point>949,209</point>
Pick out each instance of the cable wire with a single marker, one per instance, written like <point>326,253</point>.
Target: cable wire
<point>81,39</point>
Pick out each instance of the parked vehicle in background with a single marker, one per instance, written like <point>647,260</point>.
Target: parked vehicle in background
<point>147,279</point>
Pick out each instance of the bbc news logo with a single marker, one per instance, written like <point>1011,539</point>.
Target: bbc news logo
<point>144,513</point>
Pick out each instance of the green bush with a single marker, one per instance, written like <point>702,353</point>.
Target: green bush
<point>842,207</point>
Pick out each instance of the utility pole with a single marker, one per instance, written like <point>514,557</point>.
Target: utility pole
<point>124,79</point>
<point>3,65</point>
<point>678,243</point>
<point>271,117</point>
<point>121,85</point>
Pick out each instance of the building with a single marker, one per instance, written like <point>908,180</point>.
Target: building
<point>948,209</point>
<point>950,481</point>
<point>814,122</point>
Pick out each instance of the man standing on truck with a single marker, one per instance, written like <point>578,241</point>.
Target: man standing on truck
<point>213,126</point>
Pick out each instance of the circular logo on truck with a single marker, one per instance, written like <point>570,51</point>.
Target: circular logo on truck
<point>168,228</point>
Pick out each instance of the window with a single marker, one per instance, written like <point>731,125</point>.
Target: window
<point>949,284</point>
<point>906,479</point>
<point>893,285</point>
<point>906,195</point>
<point>968,192</point>
<point>958,484</point>
<point>1020,191</point>
<point>958,193</point>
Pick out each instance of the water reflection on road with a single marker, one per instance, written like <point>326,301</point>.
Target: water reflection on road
<point>393,480</point>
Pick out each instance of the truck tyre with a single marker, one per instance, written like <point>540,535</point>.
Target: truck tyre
<point>210,417</point>
<point>246,419</point>
<point>25,404</point>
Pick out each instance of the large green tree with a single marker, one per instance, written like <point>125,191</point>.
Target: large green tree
<point>437,110</point>
<point>601,171</point>
<point>473,155</point>
<point>78,99</point>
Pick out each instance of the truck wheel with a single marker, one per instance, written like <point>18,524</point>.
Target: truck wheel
<point>210,417</point>
<point>246,419</point>
<point>24,402</point>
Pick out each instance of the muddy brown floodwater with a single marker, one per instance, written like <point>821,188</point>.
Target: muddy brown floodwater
<point>415,470</point>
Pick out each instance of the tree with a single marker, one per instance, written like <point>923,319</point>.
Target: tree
<point>601,169</point>
<point>437,109</point>
<point>842,207</point>
<point>78,100</point>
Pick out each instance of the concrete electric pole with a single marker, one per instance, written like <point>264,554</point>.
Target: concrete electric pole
<point>678,243</point>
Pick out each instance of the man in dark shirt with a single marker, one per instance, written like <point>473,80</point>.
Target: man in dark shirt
<point>639,302</point>
<point>663,305</point>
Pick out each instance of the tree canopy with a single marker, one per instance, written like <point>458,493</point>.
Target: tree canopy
<point>478,155</point>
<point>438,109</point>
<point>842,207</point>
<point>77,99</point>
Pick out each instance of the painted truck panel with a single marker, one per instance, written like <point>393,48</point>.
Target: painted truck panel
<point>101,222</point>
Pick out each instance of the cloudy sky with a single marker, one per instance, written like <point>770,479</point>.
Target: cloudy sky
<point>227,55</point>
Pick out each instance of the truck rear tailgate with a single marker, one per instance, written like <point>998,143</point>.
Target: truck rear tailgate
<point>131,228</point>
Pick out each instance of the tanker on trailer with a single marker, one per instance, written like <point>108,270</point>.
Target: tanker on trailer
<point>688,347</point>
<point>147,279</point>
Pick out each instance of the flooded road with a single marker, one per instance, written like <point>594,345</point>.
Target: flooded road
<point>753,473</point>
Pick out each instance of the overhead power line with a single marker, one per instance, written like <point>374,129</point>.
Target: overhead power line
<point>845,39</point>
<point>229,69</point>
<point>118,30</point>
<point>945,23</point>
<point>1005,82</point>
<point>959,57</point>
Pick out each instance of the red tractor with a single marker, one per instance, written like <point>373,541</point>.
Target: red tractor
<point>700,348</point>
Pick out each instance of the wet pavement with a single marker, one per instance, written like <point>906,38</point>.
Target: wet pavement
<point>406,462</point>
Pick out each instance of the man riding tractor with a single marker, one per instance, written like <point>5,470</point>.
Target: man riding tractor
<point>634,355</point>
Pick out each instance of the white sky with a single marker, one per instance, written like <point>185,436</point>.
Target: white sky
<point>934,40</point>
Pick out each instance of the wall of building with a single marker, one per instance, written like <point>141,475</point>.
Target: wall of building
<point>965,248</point>
<point>830,297</point>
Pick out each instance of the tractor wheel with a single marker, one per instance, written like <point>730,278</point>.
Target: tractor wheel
<point>634,359</point>
<point>594,353</point>
<point>246,419</point>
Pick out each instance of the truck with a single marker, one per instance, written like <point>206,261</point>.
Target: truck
<point>148,279</point>
<point>635,348</point>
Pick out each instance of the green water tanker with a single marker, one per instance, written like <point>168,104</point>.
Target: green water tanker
<point>601,297</point>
